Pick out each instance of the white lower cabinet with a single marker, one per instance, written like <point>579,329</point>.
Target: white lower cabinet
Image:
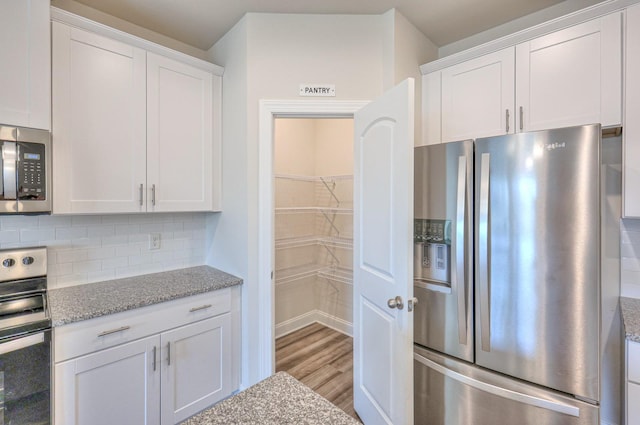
<point>633,383</point>
<point>107,372</point>
<point>113,386</point>
<point>195,372</point>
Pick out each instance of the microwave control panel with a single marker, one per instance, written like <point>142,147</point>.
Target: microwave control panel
<point>32,183</point>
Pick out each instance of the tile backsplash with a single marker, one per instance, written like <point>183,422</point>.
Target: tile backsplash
<point>630,258</point>
<point>91,248</point>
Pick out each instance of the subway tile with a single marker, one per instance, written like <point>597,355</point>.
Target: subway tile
<point>10,236</point>
<point>100,253</point>
<point>36,234</point>
<point>114,263</point>
<point>87,266</point>
<point>71,232</point>
<point>101,231</point>
<point>54,221</point>
<point>101,276</point>
<point>86,220</point>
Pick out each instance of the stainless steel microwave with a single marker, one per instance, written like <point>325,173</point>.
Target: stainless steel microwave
<point>25,165</point>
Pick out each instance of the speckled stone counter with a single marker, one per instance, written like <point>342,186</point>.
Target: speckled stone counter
<point>631,318</point>
<point>82,302</point>
<point>279,399</point>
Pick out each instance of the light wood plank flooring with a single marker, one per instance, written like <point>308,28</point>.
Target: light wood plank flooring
<point>322,359</point>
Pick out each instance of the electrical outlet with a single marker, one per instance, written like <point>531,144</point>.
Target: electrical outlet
<point>154,241</point>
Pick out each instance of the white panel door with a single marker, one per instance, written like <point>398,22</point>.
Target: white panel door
<point>478,97</point>
<point>631,171</point>
<point>99,107</point>
<point>180,136</point>
<point>119,385</point>
<point>26,63</point>
<point>571,77</point>
<point>196,367</point>
<point>383,217</point>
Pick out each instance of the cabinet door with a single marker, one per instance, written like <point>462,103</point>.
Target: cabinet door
<point>119,385</point>
<point>571,77</point>
<point>633,404</point>
<point>432,108</point>
<point>631,134</point>
<point>26,63</point>
<point>478,97</point>
<point>196,367</point>
<point>180,138</point>
<point>98,123</point>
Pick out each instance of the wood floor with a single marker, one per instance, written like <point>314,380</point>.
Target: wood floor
<point>322,359</point>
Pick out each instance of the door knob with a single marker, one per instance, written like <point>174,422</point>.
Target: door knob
<point>411,304</point>
<point>396,303</point>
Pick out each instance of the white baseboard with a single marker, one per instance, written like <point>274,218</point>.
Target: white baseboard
<point>314,316</point>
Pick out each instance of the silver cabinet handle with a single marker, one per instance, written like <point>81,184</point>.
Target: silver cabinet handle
<point>202,307</point>
<point>169,353</point>
<point>141,194</point>
<point>396,303</point>
<point>154,357</point>
<point>521,118</point>
<point>113,331</point>
<point>458,281</point>
<point>483,257</point>
<point>153,195</point>
<point>507,119</point>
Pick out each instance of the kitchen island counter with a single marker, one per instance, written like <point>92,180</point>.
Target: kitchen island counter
<point>83,302</point>
<point>631,318</point>
<point>279,399</point>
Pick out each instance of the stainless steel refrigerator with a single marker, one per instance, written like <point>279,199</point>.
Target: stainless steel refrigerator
<point>507,271</point>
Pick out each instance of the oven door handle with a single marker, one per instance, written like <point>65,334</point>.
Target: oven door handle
<point>20,343</point>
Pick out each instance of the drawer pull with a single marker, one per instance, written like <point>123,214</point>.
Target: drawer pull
<point>113,331</point>
<point>202,307</point>
<point>169,353</point>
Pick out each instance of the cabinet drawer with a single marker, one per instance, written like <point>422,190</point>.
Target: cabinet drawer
<point>633,362</point>
<point>85,337</point>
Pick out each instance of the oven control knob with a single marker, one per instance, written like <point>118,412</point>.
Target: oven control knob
<point>8,262</point>
<point>28,261</point>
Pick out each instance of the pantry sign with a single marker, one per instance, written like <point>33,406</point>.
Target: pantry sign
<point>318,90</point>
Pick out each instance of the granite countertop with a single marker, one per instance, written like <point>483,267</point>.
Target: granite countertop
<point>631,318</point>
<point>82,302</point>
<point>278,400</point>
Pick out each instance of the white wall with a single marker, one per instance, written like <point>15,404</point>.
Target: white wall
<point>92,248</point>
<point>267,56</point>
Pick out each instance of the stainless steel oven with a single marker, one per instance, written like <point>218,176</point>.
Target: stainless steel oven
<point>25,338</point>
<point>25,170</point>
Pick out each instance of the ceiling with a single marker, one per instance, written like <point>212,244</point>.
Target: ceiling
<point>200,23</point>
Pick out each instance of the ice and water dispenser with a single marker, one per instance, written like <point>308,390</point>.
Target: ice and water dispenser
<point>432,251</point>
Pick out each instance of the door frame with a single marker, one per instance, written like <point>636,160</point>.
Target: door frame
<point>269,110</point>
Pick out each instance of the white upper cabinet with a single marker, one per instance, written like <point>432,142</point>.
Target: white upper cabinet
<point>571,77</point>
<point>631,134</point>
<point>133,130</point>
<point>99,107</point>
<point>26,63</point>
<point>477,97</point>
<point>179,135</point>
<point>568,77</point>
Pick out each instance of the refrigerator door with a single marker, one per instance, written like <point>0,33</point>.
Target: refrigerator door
<point>537,257</point>
<point>443,248</point>
<point>448,391</point>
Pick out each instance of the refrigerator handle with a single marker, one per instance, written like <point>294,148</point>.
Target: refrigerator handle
<point>483,254</point>
<point>499,391</point>
<point>458,278</point>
